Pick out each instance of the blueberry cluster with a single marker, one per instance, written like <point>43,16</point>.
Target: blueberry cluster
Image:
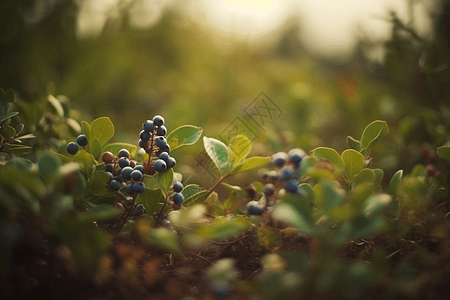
<point>72,147</point>
<point>177,198</point>
<point>121,169</point>
<point>284,179</point>
<point>152,140</point>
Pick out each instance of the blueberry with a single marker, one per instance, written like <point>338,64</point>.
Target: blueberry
<point>279,159</point>
<point>292,186</point>
<point>148,126</point>
<point>130,189</point>
<point>269,189</point>
<point>113,184</point>
<point>160,165</point>
<point>161,131</point>
<point>164,156</point>
<point>82,140</point>
<point>119,178</point>
<point>124,153</point>
<point>178,198</point>
<point>166,148</point>
<point>296,155</point>
<point>139,187</point>
<point>177,186</point>
<point>124,162</point>
<point>109,168</point>
<point>254,208</point>
<point>108,157</point>
<point>158,120</point>
<point>111,176</point>
<point>171,162</point>
<point>286,173</point>
<point>140,168</point>
<point>144,135</point>
<point>160,141</point>
<point>136,175</point>
<point>126,173</point>
<point>142,144</point>
<point>72,148</point>
<point>138,210</point>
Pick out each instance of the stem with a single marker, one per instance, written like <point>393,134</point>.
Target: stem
<point>162,209</point>
<point>217,183</point>
<point>152,139</point>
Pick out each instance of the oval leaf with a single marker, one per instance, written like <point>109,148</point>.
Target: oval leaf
<point>218,152</point>
<point>395,181</point>
<point>165,180</point>
<point>330,154</point>
<point>444,152</point>
<point>372,133</point>
<point>353,162</point>
<point>102,129</point>
<point>251,163</point>
<point>239,147</point>
<point>150,199</point>
<point>183,136</point>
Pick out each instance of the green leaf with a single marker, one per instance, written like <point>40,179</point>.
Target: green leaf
<point>234,188</point>
<point>3,108</point>
<point>378,176</point>
<point>308,193</point>
<point>307,163</point>
<point>164,238</point>
<point>48,165</point>
<point>330,154</point>
<point>224,228</point>
<point>165,180</point>
<point>22,163</point>
<point>8,96</point>
<point>218,152</point>
<point>114,148</point>
<point>8,116</point>
<point>191,189</point>
<point>10,132</point>
<point>95,149</point>
<point>250,164</point>
<point>365,227</point>
<point>353,143</point>
<point>288,213</point>
<point>239,147</point>
<point>376,203</point>
<point>183,136</point>
<point>86,160</point>
<point>353,162</point>
<point>19,128</point>
<point>150,199</point>
<point>56,104</point>
<point>101,212</point>
<point>15,148</point>
<point>74,126</point>
<point>98,182</point>
<point>395,181</point>
<point>327,196</point>
<point>151,182</point>
<point>102,129</point>
<point>444,152</point>
<point>86,129</point>
<point>365,175</point>
<point>196,198</point>
<point>371,134</point>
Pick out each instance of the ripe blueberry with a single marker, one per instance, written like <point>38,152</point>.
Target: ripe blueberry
<point>279,159</point>
<point>164,149</point>
<point>108,157</point>
<point>178,198</point>
<point>158,120</point>
<point>292,186</point>
<point>254,208</point>
<point>171,162</point>
<point>148,126</point>
<point>160,165</point>
<point>72,148</point>
<point>126,173</point>
<point>269,189</point>
<point>177,186</point>
<point>130,189</point>
<point>113,184</point>
<point>111,176</point>
<point>161,131</point>
<point>164,156</point>
<point>144,135</point>
<point>109,168</point>
<point>286,173</point>
<point>124,162</point>
<point>139,187</point>
<point>136,175</point>
<point>160,141</point>
<point>139,167</point>
<point>82,140</point>
<point>296,155</point>
<point>119,178</point>
<point>124,153</point>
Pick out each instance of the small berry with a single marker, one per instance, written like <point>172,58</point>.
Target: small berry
<point>72,148</point>
<point>292,186</point>
<point>296,155</point>
<point>119,178</point>
<point>286,173</point>
<point>148,126</point>
<point>109,168</point>
<point>124,162</point>
<point>273,176</point>
<point>254,208</point>
<point>139,187</point>
<point>126,173</point>
<point>158,120</point>
<point>430,169</point>
<point>139,167</point>
<point>251,191</point>
<point>133,163</point>
<point>144,135</point>
<point>136,175</point>
<point>82,140</point>
<point>160,165</point>
<point>111,176</point>
<point>124,153</point>
<point>143,144</point>
<point>178,198</point>
<point>269,190</point>
<point>165,149</point>
<point>138,210</point>
<point>171,162</point>
<point>160,141</point>
<point>161,131</point>
<point>108,157</point>
<point>113,184</point>
<point>177,186</point>
<point>130,189</point>
<point>164,156</point>
<point>279,159</point>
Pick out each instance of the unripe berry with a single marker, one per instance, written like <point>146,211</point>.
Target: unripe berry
<point>160,165</point>
<point>269,190</point>
<point>82,140</point>
<point>124,153</point>
<point>126,173</point>
<point>251,191</point>
<point>160,141</point>
<point>148,126</point>
<point>144,135</point>
<point>178,198</point>
<point>177,186</point>
<point>133,163</point>
<point>171,162</point>
<point>430,169</point>
<point>72,148</point>
<point>113,184</point>
<point>161,131</point>
<point>254,208</point>
<point>136,175</point>
<point>124,162</point>
<point>158,120</point>
<point>109,168</point>
<point>108,157</point>
<point>164,156</point>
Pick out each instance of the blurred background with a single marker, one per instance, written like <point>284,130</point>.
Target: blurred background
<point>331,66</point>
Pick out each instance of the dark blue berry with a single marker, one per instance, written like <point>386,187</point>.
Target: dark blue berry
<point>160,165</point>
<point>148,126</point>
<point>126,173</point>
<point>139,187</point>
<point>158,120</point>
<point>111,176</point>
<point>130,189</point>
<point>178,198</point>
<point>144,135</point>
<point>171,162</point>
<point>72,148</point>
<point>269,189</point>
<point>296,155</point>
<point>166,148</point>
<point>124,162</point>
<point>124,153</point>
<point>136,175</point>
<point>286,173</point>
<point>160,141</point>
<point>164,156</point>
<point>254,208</point>
<point>141,144</point>
<point>292,186</point>
<point>113,184</point>
<point>138,210</point>
<point>119,178</point>
<point>82,140</point>
<point>177,186</point>
<point>161,131</point>
<point>279,159</point>
<point>109,168</point>
<point>140,168</point>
